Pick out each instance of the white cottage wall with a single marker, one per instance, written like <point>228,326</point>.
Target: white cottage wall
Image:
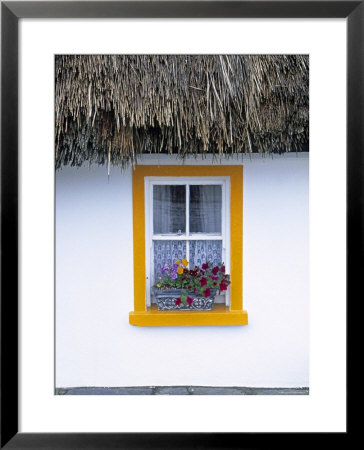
<point>96,345</point>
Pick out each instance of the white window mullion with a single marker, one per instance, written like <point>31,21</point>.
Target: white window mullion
<point>183,237</point>
<point>149,262</point>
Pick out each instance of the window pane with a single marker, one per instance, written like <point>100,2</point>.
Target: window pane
<point>169,209</point>
<point>167,252</point>
<point>204,251</point>
<point>205,209</point>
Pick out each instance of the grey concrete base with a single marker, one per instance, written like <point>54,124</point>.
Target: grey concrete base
<point>180,390</point>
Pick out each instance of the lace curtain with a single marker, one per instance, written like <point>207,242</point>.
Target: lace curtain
<point>169,217</point>
<point>167,252</point>
<point>169,209</point>
<point>203,251</point>
<point>205,209</point>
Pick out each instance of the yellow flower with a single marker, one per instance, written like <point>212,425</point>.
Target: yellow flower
<point>185,262</point>
<point>180,270</point>
<point>178,262</point>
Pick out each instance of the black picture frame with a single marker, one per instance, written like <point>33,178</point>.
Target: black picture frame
<point>11,12</point>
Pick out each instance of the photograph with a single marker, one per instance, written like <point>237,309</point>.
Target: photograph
<point>181,224</point>
<point>181,218</point>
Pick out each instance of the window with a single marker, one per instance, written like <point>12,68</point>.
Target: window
<point>192,212</point>
<point>186,217</point>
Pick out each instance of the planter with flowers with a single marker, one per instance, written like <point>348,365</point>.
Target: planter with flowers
<point>180,288</point>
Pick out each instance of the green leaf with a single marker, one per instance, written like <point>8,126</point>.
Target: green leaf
<point>184,299</point>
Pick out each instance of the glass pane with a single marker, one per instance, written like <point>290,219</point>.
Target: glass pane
<point>169,209</point>
<point>205,251</point>
<point>167,252</point>
<point>205,209</point>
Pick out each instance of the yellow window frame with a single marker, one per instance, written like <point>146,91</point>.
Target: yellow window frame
<point>220,314</point>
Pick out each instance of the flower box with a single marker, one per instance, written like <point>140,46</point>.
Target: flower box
<point>179,288</point>
<point>166,300</point>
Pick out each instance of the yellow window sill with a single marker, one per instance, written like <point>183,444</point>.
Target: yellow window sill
<point>219,315</point>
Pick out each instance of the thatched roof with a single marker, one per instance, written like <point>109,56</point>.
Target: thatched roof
<point>112,108</point>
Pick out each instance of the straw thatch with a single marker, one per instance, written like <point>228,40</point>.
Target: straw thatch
<point>112,108</point>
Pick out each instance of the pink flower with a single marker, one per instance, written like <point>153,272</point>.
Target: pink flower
<point>205,266</point>
<point>203,281</point>
<point>223,286</point>
<point>178,301</point>
<point>207,292</point>
<point>189,301</point>
<point>215,270</point>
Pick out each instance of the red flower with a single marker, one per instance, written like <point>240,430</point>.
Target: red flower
<point>215,270</point>
<point>189,301</point>
<point>214,283</point>
<point>214,278</point>
<point>223,286</point>
<point>207,292</point>
<point>185,270</point>
<point>178,301</point>
<point>189,287</point>
<point>222,268</point>
<point>203,281</point>
<point>205,266</point>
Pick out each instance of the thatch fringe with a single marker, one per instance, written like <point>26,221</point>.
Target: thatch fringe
<point>112,108</point>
